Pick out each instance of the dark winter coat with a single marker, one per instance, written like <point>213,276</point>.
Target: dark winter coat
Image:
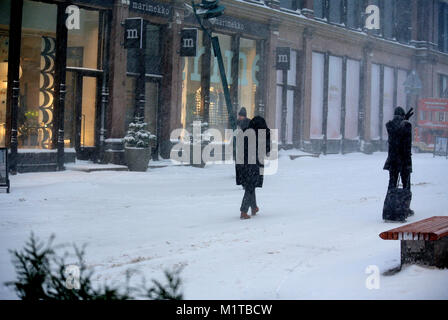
<point>400,145</point>
<point>243,124</point>
<point>249,175</point>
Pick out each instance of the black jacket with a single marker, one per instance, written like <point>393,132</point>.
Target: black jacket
<point>248,174</point>
<point>243,124</point>
<point>399,157</point>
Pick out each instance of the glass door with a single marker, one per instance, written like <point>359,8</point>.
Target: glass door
<point>83,78</point>
<point>80,112</point>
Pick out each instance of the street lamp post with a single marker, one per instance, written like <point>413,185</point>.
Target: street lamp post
<point>209,9</point>
<point>413,86</point>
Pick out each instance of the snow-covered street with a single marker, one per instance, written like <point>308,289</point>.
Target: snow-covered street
<point>315,235</point>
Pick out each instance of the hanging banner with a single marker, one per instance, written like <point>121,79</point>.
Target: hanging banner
<point>134,33</point>
<point>283,56</point>
<point>188,42</point>
<point>4,178</point>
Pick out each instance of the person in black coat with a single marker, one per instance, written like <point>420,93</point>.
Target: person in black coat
<point>249,175</point>
<point>399,158</point>
<point>242,123</point>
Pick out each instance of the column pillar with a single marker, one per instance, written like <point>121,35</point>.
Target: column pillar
<point>15,32</point>
<point>365,92</point>
<point>271,73</point>
<point>60,87</point>
<point>306,82</point>
<point>116,113</point>
<point>117,102</point>
<point>171,88</point>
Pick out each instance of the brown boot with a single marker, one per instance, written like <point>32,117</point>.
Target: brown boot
<point>255,210</point>
<point>244,216</point>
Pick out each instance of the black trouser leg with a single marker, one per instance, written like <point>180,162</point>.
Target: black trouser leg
<point>393,179</point>
<point>249,199</point>
<point>406,179</point>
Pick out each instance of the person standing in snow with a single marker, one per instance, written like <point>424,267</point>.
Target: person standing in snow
<point>249,175</point>
<point>399,158</point>
<point>242,122</point>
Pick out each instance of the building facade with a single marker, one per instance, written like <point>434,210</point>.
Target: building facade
<point>70,93</point>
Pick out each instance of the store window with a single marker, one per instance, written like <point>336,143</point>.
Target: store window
<point>443,26</point>
<point>443,86</point>
<point>353,8</point>
<point>403,17</point>
<point>153,71</point>
<point>319,9</point>
<point>218,116</point>
<point>5,8</point>
<point>153,56</point>
<point>286,93</point>
<point>401,91</point>
<point>388,20</point>
<point>388,98</point>
<point>293,5</point>
<point>375,102</point>
<point>335,11</point>
<point>334,98</point>
<point>352,99</point>
<point>249,61</point>
<point>317,95</point>
<point>37,60</point>
<point>82,43</point>
<point>151,104</point>
<point>191,85</point>
<point>194,77</point>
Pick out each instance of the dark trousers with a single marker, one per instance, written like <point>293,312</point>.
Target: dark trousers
<point>405,179</point>
<point>249,199</point>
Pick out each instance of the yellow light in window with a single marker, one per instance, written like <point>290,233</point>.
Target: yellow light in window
<point>3,71</point>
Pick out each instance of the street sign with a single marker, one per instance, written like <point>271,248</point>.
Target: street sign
<point>134,33</point>
<point>283,55</point>
<point>4,177</point>
<point>188,42</point>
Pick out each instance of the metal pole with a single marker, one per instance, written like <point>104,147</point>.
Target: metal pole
<point>140,99</point>
<point>218,55</point>
<point>104,89</point>
<point>222,72</point>
<point>60,88</point>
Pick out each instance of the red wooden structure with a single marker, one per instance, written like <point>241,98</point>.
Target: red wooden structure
<point>432,229</point>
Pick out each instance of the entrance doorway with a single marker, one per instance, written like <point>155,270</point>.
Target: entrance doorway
<point>81,111</point>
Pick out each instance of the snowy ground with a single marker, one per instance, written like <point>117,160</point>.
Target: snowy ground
<point>316,233</point>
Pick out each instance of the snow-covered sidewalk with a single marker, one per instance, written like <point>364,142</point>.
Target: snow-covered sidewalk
<point>316,233</point>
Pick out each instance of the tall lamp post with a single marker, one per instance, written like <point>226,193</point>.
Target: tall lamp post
<point>413,86</point>
<point>209,9</point>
